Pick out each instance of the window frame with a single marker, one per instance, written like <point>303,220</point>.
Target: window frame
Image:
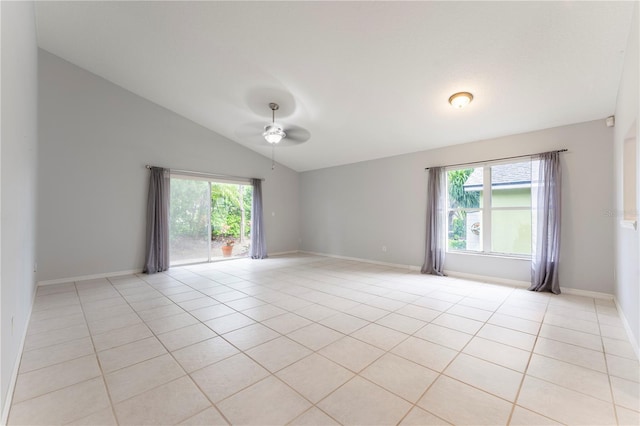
<point>486,210</point>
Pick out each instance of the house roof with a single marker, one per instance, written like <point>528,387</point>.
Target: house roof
<point>502,175</point>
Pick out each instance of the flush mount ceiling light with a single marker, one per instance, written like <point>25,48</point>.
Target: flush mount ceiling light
<point>460,99</point>
<point>273,132</point>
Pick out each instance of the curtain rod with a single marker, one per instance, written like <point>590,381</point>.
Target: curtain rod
<point>499,159</point>
<point>212,175</point>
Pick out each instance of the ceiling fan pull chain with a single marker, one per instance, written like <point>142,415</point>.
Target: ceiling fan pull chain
<point>273,156</point>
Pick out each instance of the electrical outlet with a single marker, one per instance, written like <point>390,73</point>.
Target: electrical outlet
<point>384,249</point>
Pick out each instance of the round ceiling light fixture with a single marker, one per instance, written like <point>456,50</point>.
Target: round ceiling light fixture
<point>460,99</point>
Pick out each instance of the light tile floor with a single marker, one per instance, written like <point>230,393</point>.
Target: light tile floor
<point>308,340</point>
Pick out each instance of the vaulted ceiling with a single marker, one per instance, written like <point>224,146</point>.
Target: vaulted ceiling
<point>365,79</point>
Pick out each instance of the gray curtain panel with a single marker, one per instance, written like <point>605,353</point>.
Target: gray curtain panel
<point>258,246</point>
<point>157,254</point>
<point>546,211</point>
<point>435,242</point>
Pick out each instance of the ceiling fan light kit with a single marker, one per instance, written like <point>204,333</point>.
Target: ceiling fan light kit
<point>273,132</point>
<point>460,99</point>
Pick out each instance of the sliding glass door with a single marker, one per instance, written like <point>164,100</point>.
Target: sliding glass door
<point>208,220</point>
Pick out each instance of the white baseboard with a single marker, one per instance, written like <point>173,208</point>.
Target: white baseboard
<point>487,279</point>
<point>129,272</point>
<point>89,277</point>
<point>586,293</point>
<point>627,328</point>
<point>526,284</point>
<point>358,259</point>
<point>282,253</point>
<point>16,366</point>
<point>464,275</point>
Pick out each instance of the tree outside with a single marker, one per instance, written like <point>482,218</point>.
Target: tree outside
<point>459,199</point>
<point>230,212</point>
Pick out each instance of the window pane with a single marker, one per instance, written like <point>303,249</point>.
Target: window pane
<point>511,185</point>
<point>511,231</point>
<point>465,188</point>
<point>465,230</point>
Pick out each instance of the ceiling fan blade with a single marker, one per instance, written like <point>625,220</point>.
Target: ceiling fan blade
<point>297,134</point>
<point>251,132</point>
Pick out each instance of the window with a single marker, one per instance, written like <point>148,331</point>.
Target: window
<point>489,209</point>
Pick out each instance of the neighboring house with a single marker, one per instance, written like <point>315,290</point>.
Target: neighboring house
<point>511,209</point>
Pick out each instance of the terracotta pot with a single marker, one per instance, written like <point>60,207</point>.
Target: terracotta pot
<point>226,251</point>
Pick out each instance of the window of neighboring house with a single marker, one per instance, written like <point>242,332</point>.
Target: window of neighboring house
<point>490,209</point>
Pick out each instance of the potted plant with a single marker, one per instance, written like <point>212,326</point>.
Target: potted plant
<point>227,248</point>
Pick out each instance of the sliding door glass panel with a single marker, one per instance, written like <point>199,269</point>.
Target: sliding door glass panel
<point>230,220</point>
<point>189,225</point>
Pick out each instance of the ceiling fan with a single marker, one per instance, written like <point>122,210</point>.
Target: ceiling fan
<point>274,133</point>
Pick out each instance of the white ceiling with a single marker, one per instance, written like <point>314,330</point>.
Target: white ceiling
<point>366,79</point>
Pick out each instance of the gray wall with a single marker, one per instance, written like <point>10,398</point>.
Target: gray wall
<point>354,210</point>
<point>627,290</point>
<point>18,164</point>
<point>95,139</point>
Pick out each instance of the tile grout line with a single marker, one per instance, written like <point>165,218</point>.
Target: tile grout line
<point>441,373</point>
<point>606,366</point>
<point>153,334</point>
<point>186,374</point>
<point>414,405</point>
<point>273,374</point>
<point>95,354</point>
<point>526,368</point>
<point>270,375</point>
